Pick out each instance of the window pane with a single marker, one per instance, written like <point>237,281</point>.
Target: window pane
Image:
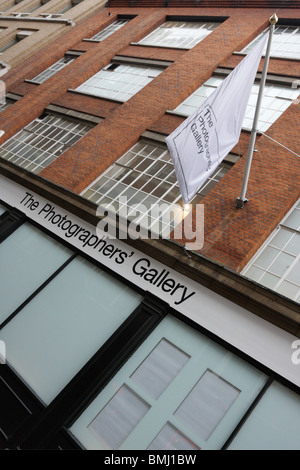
<point>279,257</point>
<point>273,424</point>
<point>285,42</point>
<point>43,76</point>
<point>65,324</point>
<point>179,34</point>
<point>276,99</point>
<point>119,82</point>
<point>109,30</point>
<point>207,403</point>
<point>29,257</point>
<point>159,368</point>
<point>118,418</point>
<point>293,220</point>
<point>171,438</point>
<point>294,275</point>
<point>42,141</point>
<point>2,209</point>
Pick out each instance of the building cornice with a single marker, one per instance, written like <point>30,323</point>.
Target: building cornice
<point>267,304</point>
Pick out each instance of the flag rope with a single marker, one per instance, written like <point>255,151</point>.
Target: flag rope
<point>280,144</point>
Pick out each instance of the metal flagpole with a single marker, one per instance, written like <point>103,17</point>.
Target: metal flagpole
<point>240,202</point>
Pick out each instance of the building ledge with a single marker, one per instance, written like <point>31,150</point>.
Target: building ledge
<point>249,295</point>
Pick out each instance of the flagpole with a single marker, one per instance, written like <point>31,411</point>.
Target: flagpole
<point>241,200</point>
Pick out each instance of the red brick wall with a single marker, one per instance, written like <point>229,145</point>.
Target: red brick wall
<point>232,235</point>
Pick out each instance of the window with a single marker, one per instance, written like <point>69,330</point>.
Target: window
<point>145,176</point>
<point>276,100</point>
<point>63,310</point>
<point>42,141</point>
<point>119,82</point>
<point>180,34</point>
<point>285,42</point>
<point>277,263</point>
<point>179,391</point>
<point>2,209</point>
<point>273,424</point>
<point>8,45</point>
<point>109,30</point>
<point>43,76</point>
<point>5,103</point>
<point>21,34</point>
<point>68,7</point>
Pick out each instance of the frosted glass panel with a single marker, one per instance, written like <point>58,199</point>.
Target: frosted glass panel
<point>171,438</point>
<point>159,368</point>
<point>27,258</point>
<point>273,424</point>
<point>2,209</point>
<point>64,325</point>
<point>207,403</point>
<point>119,417</point>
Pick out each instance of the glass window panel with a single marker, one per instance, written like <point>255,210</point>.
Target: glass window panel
<point>205,356</point>
<point>267,116</point>
<point>120,82</point>
<point>29,257</point>
<point>118,418</point>
<point>207,403</point>
<point>40,135</point>
<point>285,42</point>
<point>269,280</point>
<point>293,220</point>
<point>65,324</point>
<point>281,264</point>
<point>289,290</point>
<point>50,71</point>
<point>179,34</point>
<point>294,275</point>
<point>109,30</point>
<point>254,273</point>
<point>171,438</point>
<point>281,238</point>
<point>144,159</point>
<point>266,257</point>
<point>159,368</point>
<point>2,209</point>
<point>273,424</point>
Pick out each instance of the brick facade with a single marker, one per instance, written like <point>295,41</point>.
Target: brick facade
<point>232,235</point>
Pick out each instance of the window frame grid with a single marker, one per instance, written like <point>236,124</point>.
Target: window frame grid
<point>64,125</point>
<point>264,123</point>
<point>275,44</point>
<point>186,42</point>
<point>53,69</point>
<point>108,31</point>
<point>107,201</point>
<point>129,86</point>
<point>268,243</point>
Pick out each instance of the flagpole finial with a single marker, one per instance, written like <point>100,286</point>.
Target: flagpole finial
<point>273,19</point>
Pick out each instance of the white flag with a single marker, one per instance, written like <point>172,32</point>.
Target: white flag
<point>201,142</point>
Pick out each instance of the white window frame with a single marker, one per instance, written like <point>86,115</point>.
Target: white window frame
<point>267,243</point>
<point>288,95</point>
<point>112,86</point>
<point>185,41</point>
<point>53,69</point>
<point>18,151</point>
<point>276,44</point>
<point>108,31</point>
<point>167,219</point>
